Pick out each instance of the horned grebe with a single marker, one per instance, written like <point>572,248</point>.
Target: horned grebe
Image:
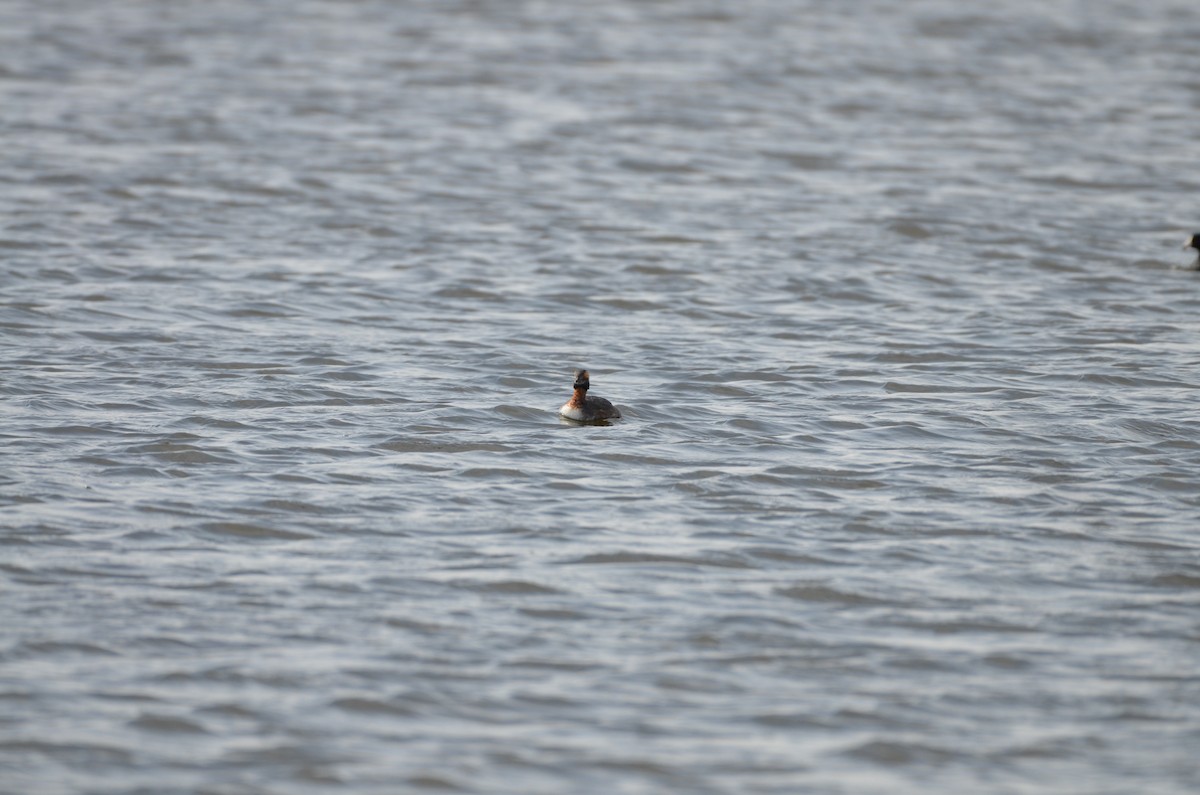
<point>1194,242</point>
<point>587,409</point>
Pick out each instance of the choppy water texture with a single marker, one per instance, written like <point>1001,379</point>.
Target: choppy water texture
<point>890,295</point>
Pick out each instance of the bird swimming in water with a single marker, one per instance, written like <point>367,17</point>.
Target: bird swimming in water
<point>582,408</point>
<point>1194,242</point>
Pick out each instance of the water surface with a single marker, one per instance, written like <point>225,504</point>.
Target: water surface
<point>890,296</point>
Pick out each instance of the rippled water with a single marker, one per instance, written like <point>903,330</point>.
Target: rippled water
<point>890,296</point>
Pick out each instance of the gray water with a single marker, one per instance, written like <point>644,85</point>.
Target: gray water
<point>890,295</point>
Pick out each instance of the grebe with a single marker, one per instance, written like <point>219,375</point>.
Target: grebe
<point>587,409</point>
<point>1194,242</point>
